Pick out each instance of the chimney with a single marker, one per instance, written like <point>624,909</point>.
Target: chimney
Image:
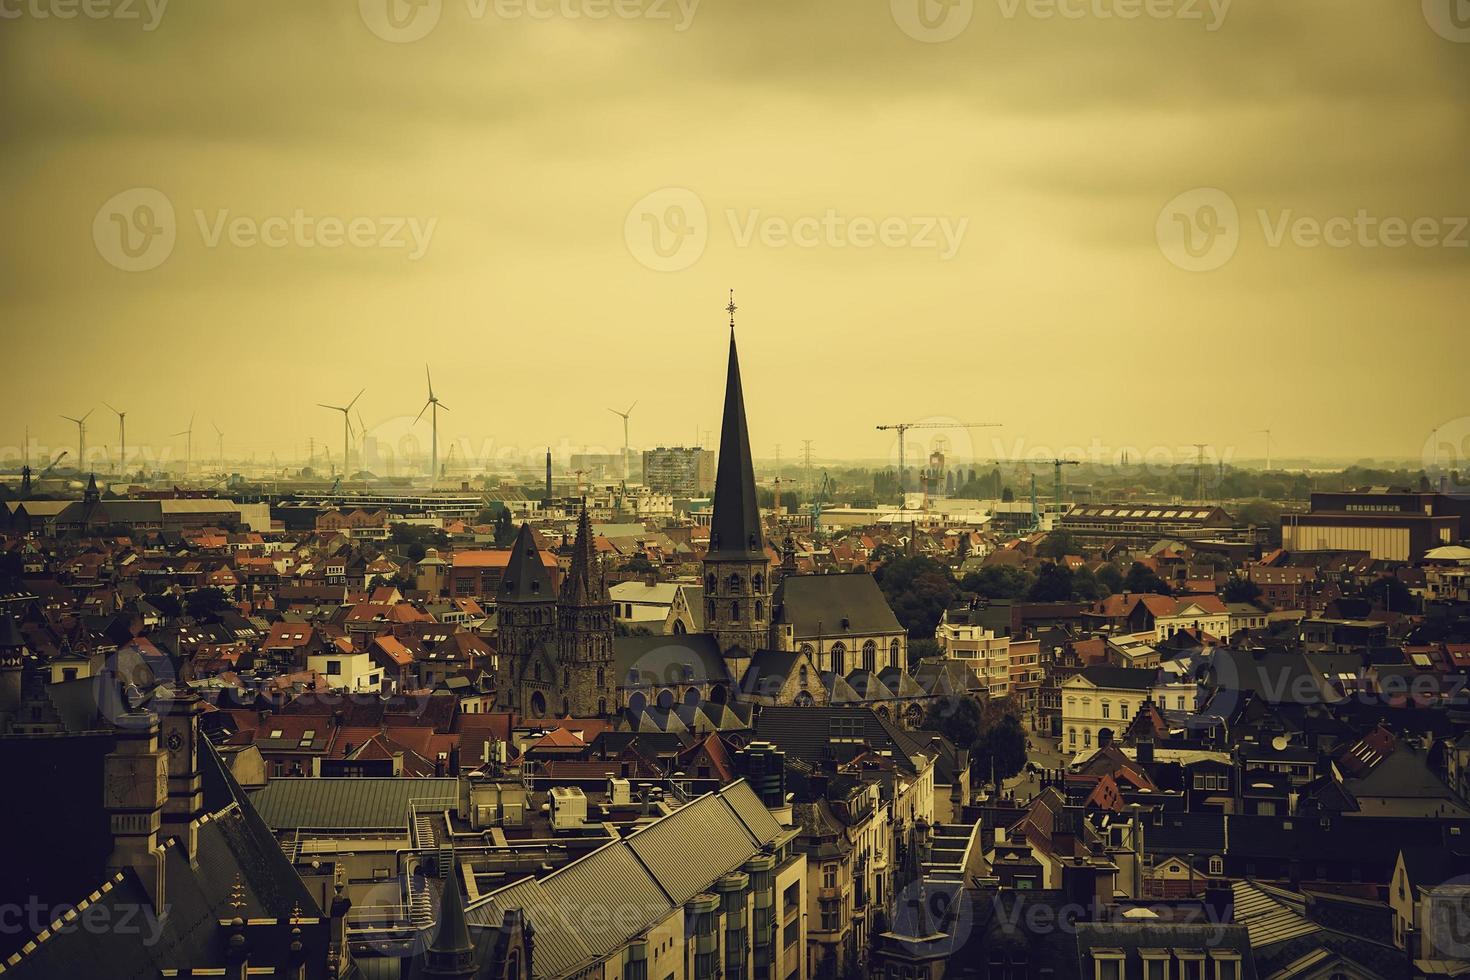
<point>548,475</point>
<point>1145,751</point>
<point>134,792</point>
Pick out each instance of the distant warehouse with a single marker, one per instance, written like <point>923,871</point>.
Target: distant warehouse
<point>1098,525</point>
<point>1390,523</point>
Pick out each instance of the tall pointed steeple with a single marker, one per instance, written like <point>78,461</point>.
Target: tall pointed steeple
<point>735,528</point>
<point>737,581</point>
<point>526,578</point>
<point>585,632</point>
<point>583,583</point>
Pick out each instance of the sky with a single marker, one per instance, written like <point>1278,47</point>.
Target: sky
<point>1103,224</point>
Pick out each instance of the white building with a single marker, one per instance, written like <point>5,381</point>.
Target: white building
<point>1101,698</point>
<point>963,639</point>
<point>349,670</point>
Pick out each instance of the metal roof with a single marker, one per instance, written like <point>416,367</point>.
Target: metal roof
<point>349,803</point>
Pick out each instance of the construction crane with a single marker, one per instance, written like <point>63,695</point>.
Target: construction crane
<point>1058,464</point>
<point>902,427</point>
<point>823,491</point>
<point>51,465</point>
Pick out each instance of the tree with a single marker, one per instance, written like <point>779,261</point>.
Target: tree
<point>1141,578</point>
<point>1053,584</point>
<point>919,590</point>
<point>998,582</point>
<point>1002,747</point>
<point>1085,586</point>
<point>1007,496</point>
<point>1057,544</point>
<point>1240,590</point>
<point>505,531</point>
<point>957,718</point>
<point>1392,595</point>
<point>926,649</point>
<point>1109,578</point>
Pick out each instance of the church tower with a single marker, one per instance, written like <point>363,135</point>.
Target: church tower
<point>585,633</point>
<point>737,574</point>
<point>525,617</point>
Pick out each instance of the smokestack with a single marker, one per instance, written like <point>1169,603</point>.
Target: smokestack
<point>548,475</point>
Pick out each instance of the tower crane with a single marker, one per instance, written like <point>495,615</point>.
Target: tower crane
<point>824,489</point>
<point>902,427</point>
<point>1058,464</point>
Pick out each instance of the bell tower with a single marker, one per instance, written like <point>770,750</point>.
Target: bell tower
<point>737,572</point>
<point>525,616</point>
<point>585,634</point>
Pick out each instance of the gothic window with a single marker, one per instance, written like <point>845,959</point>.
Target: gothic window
<point>602,706</point>
<point>538,671</point>
<point>758,612</point>
<point>804,700</point>
<point>839,659</point>
<point>807,649</point>
<point>870,656</point>
<point>600,677</point>
<point>566,678</point>
<point>734,610</point>
<point>538,704</point>
<point>758,582</point>
<point>803,675</point>
<point>711,616</point>
<point>734,582</point>
<point>711,584</point>
<point>893,654</point>
<point>566,706</point>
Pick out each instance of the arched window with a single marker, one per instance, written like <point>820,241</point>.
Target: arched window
<point>804,700</point>
<point>1072,737</point>
<point>711,611</point>
<point>894,654</point>
<point>1087,738</point>
<point>734,610</point>
<point>870,656</point>
<point>839,658</point>
<point>803,677</point>
<point>602,706</point>
<point>566,706</point>
<point>538,704</point>
<point>601,677</point>
<point>758,582</point>
<point>734,581</point>
<point>711,584</point>
<point>566,678</point>
<point>807,649</point>
<point>538,670</point>
<point>758,609</point>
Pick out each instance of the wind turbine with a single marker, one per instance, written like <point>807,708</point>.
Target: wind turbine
<point>188,435</point>
<point>122,438</point>
<point>625,416</point>
<point>81,425</point>
<point>346,427</point>
<point>1267,433</point>
<point>219,433</point>
<point>435,404</point>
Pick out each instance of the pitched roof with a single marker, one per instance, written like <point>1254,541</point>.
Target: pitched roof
<point>526,578</point>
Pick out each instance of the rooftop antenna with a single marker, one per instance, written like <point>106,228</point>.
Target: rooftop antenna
<point>122,437</point>
<point>346,428</point>
<point>432,406</point>
<point>625,415</point>
<point>81,425</point>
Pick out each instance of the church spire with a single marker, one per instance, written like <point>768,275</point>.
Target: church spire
<point>735,528</point>
<point>451,954</point>
<point>526,578</point>
<point>583,584</point>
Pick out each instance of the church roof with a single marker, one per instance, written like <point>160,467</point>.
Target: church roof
<point>832,605</point>
<point>526,578</point>
<point>735,527</point>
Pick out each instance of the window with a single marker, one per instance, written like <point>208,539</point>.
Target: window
<point>870,656</point>
<point>1155,964</point>
<point>1123,711</point>
<point>1072,737</point>
<point>1227,964</point>
<point>1217,865</point>
<point>1107,710</point>
<point>839,658</point>
<point>829,875</point>
<point>1107,964</point>
<point>1191,964</point>
<point>734,610</point>
<point>1087,738</point>
<point>334,667</point>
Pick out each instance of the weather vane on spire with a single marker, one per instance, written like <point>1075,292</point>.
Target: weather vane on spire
<point>731,309</point>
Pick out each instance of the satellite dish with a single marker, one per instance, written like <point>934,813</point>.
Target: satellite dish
<point>1279,743</point>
